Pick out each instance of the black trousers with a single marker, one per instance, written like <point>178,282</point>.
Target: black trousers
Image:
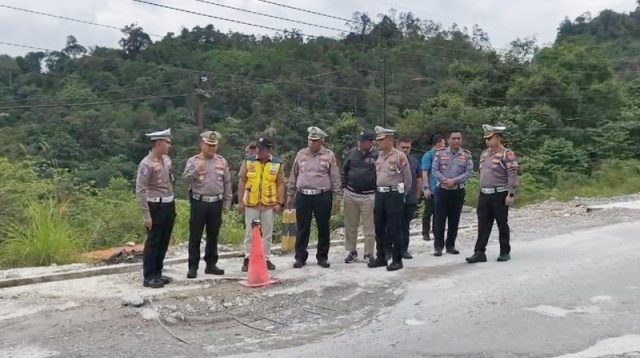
<point>308,206</point>
<point>491,207</point>
<point>407,214</point>
<point>388,213</point>
<point>427,213</point>
<point>209,216</point>
<point>447,211</point>
<point>155,247</point>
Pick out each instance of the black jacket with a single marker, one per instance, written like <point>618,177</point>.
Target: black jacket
<point>359,171</point>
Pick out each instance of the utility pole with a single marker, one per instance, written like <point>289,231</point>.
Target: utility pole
<point>384,93</point>
<point>202,95</point>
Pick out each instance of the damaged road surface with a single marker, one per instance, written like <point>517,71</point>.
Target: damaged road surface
<point>572,294</point>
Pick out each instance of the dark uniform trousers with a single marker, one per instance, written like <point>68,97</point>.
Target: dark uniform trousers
<point>209,215</point>
<point>388,212</point>
<point>155,247</point>
<point>491,207</point>
<point>448,207</point>
<point>427,213</point>
<point>407,215</point>
<point>308,206</point>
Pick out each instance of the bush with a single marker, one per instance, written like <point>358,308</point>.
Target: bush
<point>46,238</point>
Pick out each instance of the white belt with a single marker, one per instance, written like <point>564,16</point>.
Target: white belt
<point>500,189</point>
<point>207,198</point>
<point>161,199</point>
<point>311,191</point>
<point>387,189</point>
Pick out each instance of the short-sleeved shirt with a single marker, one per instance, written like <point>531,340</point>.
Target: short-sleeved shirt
<point>315,171</point>
<point>448,164</point>
<point>427,163</point>
<point>216,180</point>
<point>498,168</point>
<point>154,179</point>
<point>393,169</point>
<point>416,172</point>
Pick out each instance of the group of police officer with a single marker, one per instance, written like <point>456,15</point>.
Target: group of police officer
<point>380,188</point>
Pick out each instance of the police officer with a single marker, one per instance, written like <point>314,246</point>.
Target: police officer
<point>313,184</point>
<point>393,180</point>
<point>498,181</point>
<point>359,184</point>
<point>412,196</point>
<point>154,194</point>
<point>261,195</point>
<point>429,185</point>
<point>207,175</point>
<point>452,167</point>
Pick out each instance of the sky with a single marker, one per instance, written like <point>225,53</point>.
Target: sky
<point>503,20</point>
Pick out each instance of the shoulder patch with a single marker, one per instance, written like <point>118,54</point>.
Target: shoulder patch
<point>510,155</point>
<point>144,171</point>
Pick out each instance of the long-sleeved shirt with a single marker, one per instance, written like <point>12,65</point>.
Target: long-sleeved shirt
<point>448,164</point>
<point>317,171</point>
<point>498,168</point>
<point>416,172</point>
<point>214,180</point>
<point>393,169</point>
<point>359,170</point>
<point>154,179</point>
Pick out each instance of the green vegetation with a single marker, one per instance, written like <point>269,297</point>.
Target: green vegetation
<point>73,120</point>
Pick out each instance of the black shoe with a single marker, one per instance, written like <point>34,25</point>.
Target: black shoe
<point>351,258</point>
<point>165,279</point>
<point>192,273</point>
<point>245,265</point>
<point>437,252</point>
<point>504,257</point>
<point>407,255</point>
<point>153,283</point>
<point>323,263</point>
<point>477,257</point>
<point>368,258</point>
<point>395,265</point>
<point>213,270</point>
<point>453,251</point>
<point>270,266</point>
<point>378,262</point>
<point>299,264</point>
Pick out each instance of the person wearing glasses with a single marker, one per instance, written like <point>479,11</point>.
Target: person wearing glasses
<point>498,182</point>
<point>209,180</point>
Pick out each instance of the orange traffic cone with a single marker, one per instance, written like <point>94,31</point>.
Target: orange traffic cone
<point>258,275</point>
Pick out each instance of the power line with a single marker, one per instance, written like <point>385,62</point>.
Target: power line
<point>221,18</point>
<point>309,11</point>
<point>271,16</point>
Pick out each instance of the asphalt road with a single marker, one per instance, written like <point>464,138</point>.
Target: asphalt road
<point>575,295</point>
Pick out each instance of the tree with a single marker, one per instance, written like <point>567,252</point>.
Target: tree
<point>73,49</point>
<point>135,41</point>
<point>31,62</point>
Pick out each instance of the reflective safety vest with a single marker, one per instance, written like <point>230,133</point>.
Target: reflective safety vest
<point>261,185</point>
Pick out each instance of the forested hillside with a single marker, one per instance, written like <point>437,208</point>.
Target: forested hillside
<point>80,112</point>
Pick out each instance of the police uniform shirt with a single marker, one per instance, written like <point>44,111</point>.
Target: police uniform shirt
<point>393,169</point>
<point>317,171</point>
<point>154,179</point>
<point>498,168</point>
<point>216,180</point>
<point>450,165</point>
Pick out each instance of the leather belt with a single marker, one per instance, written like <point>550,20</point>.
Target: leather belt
<point>207,198</point>
<point>500,189</point>
<point>312,191</point>
<point>361,192</point>
<point>161,199</point>
<point>387,189</point>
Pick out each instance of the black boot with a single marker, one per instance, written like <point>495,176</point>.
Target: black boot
<point>477,257</point>
<point>395,265</point>
<point>504,257</point>
<point>192,273</point>
<point>323,263</point>
<point>212,269</point>
<point>378,262</point>
<point>245,265</point>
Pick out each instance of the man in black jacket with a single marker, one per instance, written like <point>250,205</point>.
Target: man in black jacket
<point>359,183</point>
